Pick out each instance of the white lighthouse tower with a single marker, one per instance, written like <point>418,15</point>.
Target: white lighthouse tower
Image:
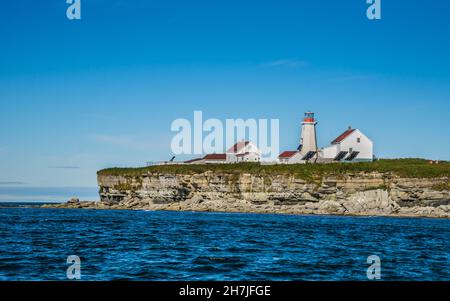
<point>308,142</point>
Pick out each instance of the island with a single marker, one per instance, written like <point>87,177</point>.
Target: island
<point>402,188</point>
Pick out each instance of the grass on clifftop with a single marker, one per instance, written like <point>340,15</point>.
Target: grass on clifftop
<point>412,168</point>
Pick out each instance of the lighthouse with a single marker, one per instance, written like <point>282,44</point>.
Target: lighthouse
<point>308,142</point>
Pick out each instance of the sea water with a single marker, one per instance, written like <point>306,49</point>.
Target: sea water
<point>137,245</point>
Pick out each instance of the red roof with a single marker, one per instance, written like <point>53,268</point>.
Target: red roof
<point>287,154</point>
<point>215,157</point>
<point>343,136</point>
<point>193,160</point>
<point>238,146</point>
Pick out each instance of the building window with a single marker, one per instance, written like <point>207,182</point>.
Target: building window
<point>358,140</point>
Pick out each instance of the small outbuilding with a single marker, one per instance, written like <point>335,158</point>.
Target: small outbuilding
<point>209,159</point>
<point>290,157</point>
<point>245,151</point>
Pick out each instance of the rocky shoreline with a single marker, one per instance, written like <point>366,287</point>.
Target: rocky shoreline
<point>242,206</point>
<point>361,194</point>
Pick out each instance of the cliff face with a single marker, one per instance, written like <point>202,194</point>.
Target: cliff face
<point>350,194</point>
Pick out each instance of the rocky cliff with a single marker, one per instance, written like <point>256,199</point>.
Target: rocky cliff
<point>358,193</point>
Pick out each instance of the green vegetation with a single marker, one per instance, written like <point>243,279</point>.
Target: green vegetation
<point>414,168</point>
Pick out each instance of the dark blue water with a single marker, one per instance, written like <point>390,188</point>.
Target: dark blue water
<point>118,245</point>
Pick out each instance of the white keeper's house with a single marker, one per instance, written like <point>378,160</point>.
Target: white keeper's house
<point>351,145</point>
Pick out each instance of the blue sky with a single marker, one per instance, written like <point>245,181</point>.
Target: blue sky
<point>78,96</point>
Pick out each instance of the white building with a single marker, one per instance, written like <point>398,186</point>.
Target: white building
<point>350,146</point>
<point>290,157</point>
<point>244,151</point>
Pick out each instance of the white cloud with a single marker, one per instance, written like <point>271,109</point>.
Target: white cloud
<point>286,63</point>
